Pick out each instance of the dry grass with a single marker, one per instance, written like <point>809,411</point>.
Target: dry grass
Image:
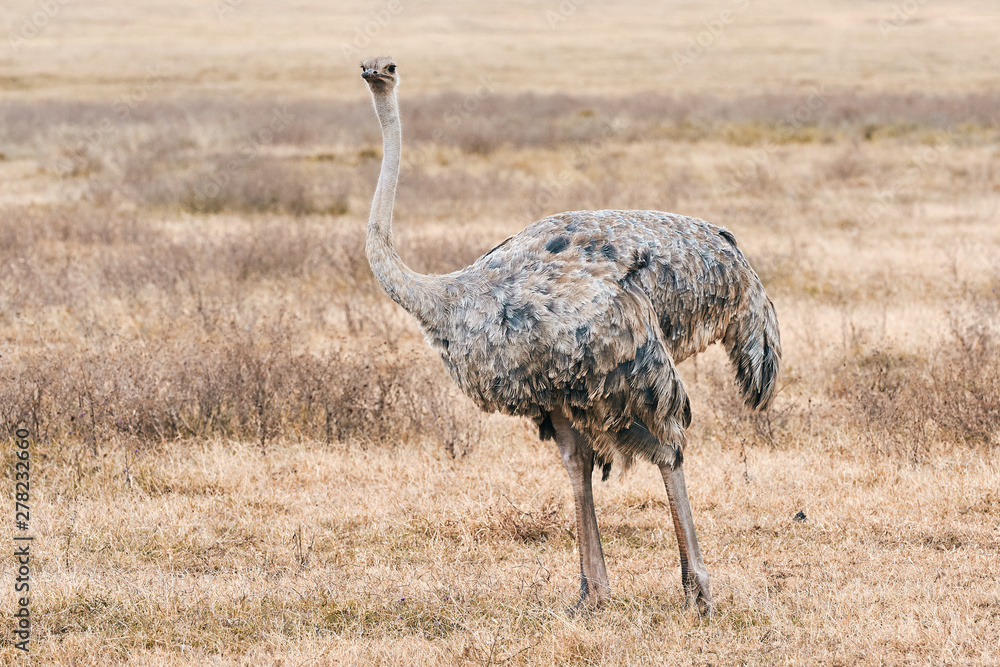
<point>906,402</point>
<point>406,555</point>
<point>246,454</point>
<point>240,379</point>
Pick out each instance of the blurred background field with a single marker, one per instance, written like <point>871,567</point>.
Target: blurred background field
<point>246,454</point>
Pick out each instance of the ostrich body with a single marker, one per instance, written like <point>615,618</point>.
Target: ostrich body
<point>576,323</point>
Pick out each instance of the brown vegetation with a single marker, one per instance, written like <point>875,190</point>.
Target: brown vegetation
<point>244,453</point>
<point>165,350</point>
<point>905,402</point>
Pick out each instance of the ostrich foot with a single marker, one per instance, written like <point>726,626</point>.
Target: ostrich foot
<point>697,594</point>
<point>591,597</point>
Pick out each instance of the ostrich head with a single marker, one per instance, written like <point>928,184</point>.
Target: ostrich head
<point>380,74</point>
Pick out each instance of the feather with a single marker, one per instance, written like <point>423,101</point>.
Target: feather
<point>588,312</point>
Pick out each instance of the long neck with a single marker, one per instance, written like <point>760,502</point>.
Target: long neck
<point>418,294</point>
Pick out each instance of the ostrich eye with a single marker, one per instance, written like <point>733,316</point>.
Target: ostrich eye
<point>391,69</point>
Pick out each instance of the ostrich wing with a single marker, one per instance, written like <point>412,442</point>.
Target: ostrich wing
<point>530,336</point>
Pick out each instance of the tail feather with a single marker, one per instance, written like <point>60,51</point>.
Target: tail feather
<point>754,346</point>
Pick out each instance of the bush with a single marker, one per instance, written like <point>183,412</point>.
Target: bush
<point>245,382</point>
<point>905,403</point>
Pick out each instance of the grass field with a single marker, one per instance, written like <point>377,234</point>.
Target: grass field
<point>244,453</point>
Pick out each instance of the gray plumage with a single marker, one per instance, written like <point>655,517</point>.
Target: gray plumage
<point>577,322</point>
<point>588,311</point>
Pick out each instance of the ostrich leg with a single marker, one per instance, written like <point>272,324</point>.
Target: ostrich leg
<point>578,457</point>
<point>693,572</point>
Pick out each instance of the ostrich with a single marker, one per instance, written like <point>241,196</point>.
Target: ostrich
<point>576,323</point>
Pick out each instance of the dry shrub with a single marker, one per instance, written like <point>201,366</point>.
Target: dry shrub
<point>446,253</point>
<point>245,185</point>
<point>231,182</point>
<point>966,386</point>
<point>82,256</point>
<point>200,354</point>
<point>735,424</point>
<point>906,403</point>
<point>383,397</point>
<point>65,256</point>
<point>206,156</point>
<point>155,154</point>
<point>246,382</point>
<point>753,179</point>
<point>507,521</point>
<point>848,165</point>
<point>880,386</point>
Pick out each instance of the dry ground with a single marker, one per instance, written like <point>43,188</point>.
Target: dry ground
<point>245,454</point>
<point>103,48</point>
<point>210,553</point>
